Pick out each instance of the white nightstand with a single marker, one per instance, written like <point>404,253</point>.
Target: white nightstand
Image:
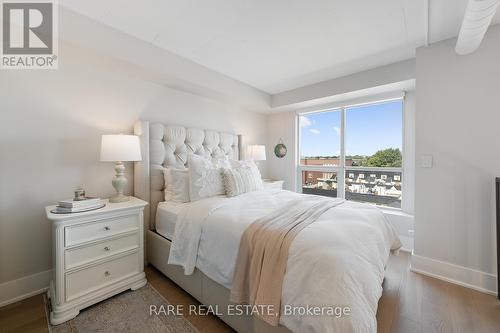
<point>273,184</point>
<point>95,255</point>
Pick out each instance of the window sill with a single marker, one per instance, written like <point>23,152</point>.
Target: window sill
<point>395,212</point>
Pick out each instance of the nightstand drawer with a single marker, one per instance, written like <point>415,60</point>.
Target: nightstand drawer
<point>89,253</point>
<point>83,281</point>
<point>93,231</point>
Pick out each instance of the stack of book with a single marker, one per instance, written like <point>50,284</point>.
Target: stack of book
<point>76,206</point>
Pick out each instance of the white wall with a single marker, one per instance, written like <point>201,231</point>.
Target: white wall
<point>366,80</point>
<point>50,129</point>
<point>282,126</point>
<point>457,122</point>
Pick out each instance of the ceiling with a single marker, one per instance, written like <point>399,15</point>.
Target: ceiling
<point>278,45</point>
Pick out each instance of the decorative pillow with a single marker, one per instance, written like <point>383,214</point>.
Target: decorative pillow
<point>176,184</point>
<point>223,162</point>
<point>243,177</point>
<point>246,164</point>
<point>205,177</point>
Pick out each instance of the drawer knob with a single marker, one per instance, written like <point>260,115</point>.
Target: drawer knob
<point>107,228</point>
<point>106,248</point>
<point>107,273</point>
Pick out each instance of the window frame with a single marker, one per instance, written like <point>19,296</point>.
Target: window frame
<point>342,169</point>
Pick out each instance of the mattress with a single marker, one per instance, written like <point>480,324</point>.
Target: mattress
<point>166,216</point>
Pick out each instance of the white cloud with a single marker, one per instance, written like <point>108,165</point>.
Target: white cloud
<point>304,121</point>
<point>337,130</point>
<point>314,131</point>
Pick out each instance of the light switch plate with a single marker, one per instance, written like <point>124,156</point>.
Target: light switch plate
<point>426,161</point>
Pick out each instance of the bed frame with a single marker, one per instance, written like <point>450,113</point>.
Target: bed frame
<point>169,145</point>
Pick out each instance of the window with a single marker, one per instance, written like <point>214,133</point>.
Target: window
<point>354,152</point>
<point>316,182</point>
<point>321,127</point>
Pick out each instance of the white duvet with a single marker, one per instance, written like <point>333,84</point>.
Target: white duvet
<point>337,261</point>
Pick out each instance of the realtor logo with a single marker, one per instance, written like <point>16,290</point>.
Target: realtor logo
<point>29,34</point>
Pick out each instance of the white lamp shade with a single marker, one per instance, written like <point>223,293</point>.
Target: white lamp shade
<point>256,152</point>
<point>120,148</point>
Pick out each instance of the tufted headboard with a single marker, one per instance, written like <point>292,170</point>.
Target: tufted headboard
<point>169,145</point>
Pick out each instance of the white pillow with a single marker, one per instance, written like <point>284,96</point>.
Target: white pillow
<point>246,164</point>
<point>176,184</point>
<point>205,177</point>
<point>243,177</point>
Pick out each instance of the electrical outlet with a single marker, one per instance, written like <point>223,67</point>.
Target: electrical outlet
<point>426,161</point>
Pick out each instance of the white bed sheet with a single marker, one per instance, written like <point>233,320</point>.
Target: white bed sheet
<point>339,260</point>
<point>166,217</point>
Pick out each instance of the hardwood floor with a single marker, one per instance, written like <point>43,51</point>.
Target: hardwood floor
<point>25,316</point>
<point>410,303</point>
<point>416,303</point>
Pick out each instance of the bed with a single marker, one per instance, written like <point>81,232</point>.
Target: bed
<point>338,264</point>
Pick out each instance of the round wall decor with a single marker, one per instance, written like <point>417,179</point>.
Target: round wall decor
<point>280,149</point>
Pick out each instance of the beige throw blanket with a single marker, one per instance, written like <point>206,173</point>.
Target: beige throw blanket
<point>263,253</point>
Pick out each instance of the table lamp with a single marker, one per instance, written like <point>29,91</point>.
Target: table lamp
<point>256,153</point>
<point>120,148</point>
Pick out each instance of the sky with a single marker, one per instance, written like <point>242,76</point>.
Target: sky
<point>369,128</point>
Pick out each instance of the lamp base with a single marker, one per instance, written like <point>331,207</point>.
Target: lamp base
<point>119,198</point>
<point>119,183</point>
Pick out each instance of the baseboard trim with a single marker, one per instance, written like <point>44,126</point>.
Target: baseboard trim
<point>462,276</point>
<point>22,288</point>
